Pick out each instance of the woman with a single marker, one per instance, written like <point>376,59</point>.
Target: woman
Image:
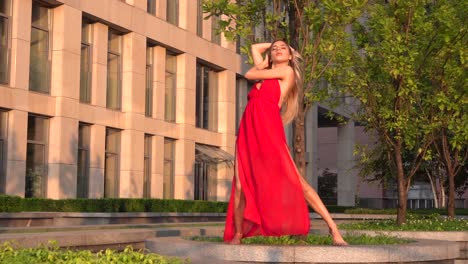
<point>268,192</point>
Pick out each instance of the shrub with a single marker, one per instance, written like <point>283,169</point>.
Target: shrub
<point>51,254</point>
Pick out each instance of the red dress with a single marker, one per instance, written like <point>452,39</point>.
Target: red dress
<point>275,203</point>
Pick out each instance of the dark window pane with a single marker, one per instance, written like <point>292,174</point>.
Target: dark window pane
<point>37,129</point>
<point>199,18</point>
<point>115,42</point>
<point>40,16</point>
<point>170,89</point>
<point>149,91</point>
<point>147,167</point>
<point>172,15</point>
<point>85,74</point>
<point>5,7</point>
<point>151,6</point>
<point>112,166</point>
<point>113,81</point>
<point>168,174</point>
<point>4,50</point>
<point>39,61</point>
<point>35,170</point>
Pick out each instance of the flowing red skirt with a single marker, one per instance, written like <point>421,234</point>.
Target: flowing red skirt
<point>274,200</point>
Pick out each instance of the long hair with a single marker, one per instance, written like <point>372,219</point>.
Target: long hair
<point>291,103</point>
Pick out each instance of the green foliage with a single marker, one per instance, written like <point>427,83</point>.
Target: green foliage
<point>393,211</point>
<point>52,254</point>
<point>108,205</point>
<point>311,240</point>
<point>432,222</point>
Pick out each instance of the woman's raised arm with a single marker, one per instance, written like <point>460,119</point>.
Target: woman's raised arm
<point>257,50</point>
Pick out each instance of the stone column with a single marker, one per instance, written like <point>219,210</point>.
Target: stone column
<point>311,131</point>
<point>65,87</point>
<point>141,4</point>
<point>16,149</point>
<point>227,127</point>
<point>188,15</point>
<point>20,45</point>
<point>157,167</point>
<point>185,117</point>
<point>345,162</point>
<point>97,148</point>
<point>99,66</point>
<point>133,105</point>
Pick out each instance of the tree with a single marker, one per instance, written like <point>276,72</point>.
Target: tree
<point>317,29</point>
<point>391,91</point>
<point>445,71</point>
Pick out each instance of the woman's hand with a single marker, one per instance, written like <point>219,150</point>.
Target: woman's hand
<point>264,64</point>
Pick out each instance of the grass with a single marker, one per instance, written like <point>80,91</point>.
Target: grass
<point>393,211</point>
<point>311,240</point>
<point>433,222</point>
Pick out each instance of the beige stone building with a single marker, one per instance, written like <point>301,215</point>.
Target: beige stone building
<point>115,98</point>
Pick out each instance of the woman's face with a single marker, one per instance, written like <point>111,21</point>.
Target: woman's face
<point>280,52</point>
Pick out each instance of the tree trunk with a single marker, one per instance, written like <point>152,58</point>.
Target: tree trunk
<point>450,175</point>
<point>299,139</point>
<point>402,185</point>
<point>434,188</point>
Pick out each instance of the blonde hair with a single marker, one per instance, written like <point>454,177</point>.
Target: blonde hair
<point>291,99</point>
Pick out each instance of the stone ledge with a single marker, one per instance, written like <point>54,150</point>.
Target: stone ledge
<point>423,250</point>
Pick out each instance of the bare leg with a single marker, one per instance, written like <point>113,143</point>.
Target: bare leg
<point>239,206</point>
<point>316,203</point>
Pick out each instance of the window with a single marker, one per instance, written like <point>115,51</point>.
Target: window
<point>36,156</point>
<point>114,71</point>
<point>3,147</point>
<point>205,180</point>
<point>172,14</point>
<point>151,7</point>
<point>242,89</point>
<point>82,183</point>
<point>4,40</point>
<point>206,98</point>
<point>168,177</point>
<point>149,82</point>
<point>215,35</point>
<point>112,163</point>
<point>199,18</point>
<point>86,62</point>
<point>147,167</point>
<point>170,90</point>
<point>39,65</point>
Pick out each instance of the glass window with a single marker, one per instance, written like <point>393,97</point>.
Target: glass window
<point>149,82</point>
<point>172,14</point>
<point>147,167</point>
<point>170,90</point>
<point>169,161</point>
<point>215,36</point>
<point>39,65</point>
<point>151,7</point>
<point>112,163</point>
<point>199,18</point>
<point>3,147</point>
<point>114,71</point>
<point>4,40</point>
<point>36,156</point>
<point>86,62</point>
<point>206,98</point>
<point>82,184</point>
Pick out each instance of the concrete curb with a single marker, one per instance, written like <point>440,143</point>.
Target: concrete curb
<point>423,250</point>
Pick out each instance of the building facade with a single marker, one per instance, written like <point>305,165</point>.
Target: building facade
<point>115,98</point>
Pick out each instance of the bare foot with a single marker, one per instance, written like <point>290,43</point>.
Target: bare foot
<point>337,238</point>
<point>236,240</point>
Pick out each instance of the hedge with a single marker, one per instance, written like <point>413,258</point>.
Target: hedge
<point>113,205</point>
<point>108,205</point>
